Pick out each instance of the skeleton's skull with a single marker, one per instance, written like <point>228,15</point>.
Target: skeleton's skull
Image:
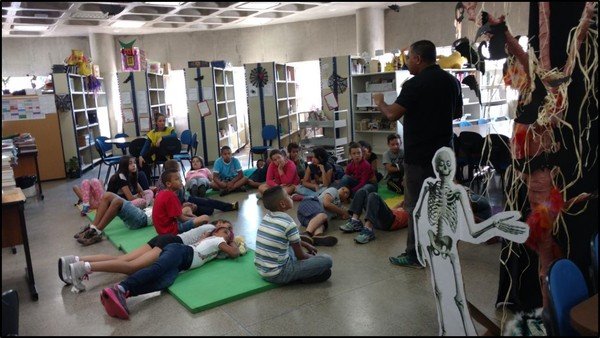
<point>444,162</point>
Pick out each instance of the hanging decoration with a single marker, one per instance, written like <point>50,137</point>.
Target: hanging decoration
<point>130,57</point>
<point>259,77</point>
<point>63,102</point>
<point>341,82</point>
<point>78,63</point>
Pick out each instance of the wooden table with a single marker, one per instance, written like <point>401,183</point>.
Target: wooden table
<point>584,316</point>
<point>14,229</point>
<point>499,127</point>
<point>27,165</point>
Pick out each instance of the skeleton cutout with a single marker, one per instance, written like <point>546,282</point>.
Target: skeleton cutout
<point>445,219</point>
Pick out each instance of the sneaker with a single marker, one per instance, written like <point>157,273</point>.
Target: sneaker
<point>318,278</point>
<point>353,225</point>
<point>297,197</point>
<point>241,189</point>
<point>78,274</point>
<point>321,240</point>
<point>202,191</point>
<point>85,208</point>
<point>235,206</point>
<point>194,190</point>
<point>90,237</point>
<point>115,303</point>
<point>223,192</point>
<point>366,235</point>
<point>306,237</point>
<point>81,231</point>
<point>63,268</point>
<point>407,261</point>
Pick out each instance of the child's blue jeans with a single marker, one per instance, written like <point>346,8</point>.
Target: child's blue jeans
<point>295,270</point>
<point>161,274</point>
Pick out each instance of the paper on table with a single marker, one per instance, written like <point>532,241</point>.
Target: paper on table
<point>204,108</point>
<point>363,100</point>
<point>331,101</point>
<point>390,97</point>
<point>192,94</point>
<point>207,93</point>
<point>126,97</point>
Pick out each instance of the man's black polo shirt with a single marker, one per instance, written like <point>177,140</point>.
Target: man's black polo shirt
<point>431,99</point>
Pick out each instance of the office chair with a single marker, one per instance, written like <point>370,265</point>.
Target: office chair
<point>567,288</point>
<point>188,140</point>
<point>498,147</point>
<point>469,151</point>
<point>269,133</point>
<point>110,161</point>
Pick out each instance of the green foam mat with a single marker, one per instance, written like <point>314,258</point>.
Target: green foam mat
<point>390,197</point>
<point>218,282</point>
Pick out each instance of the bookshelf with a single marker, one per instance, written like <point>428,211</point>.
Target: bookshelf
<point>271,89</point>
<point>221,127</point>
<point>369,124</point>
<point>326,133</point>
<point>85,118</point>
<point>142,96</point>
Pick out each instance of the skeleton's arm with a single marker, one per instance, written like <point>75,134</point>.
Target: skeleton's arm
<point>422,199</point>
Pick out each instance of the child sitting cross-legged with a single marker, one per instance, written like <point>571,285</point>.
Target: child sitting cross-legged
<point>174,258</point>
<point>281,171</point>
<point>74,269</point>
<point>378,216</point>
<point>198,178</point>
<point>167,214</point>
<point>228,176</point>
<point>280,257</point>
<point>315,212</point>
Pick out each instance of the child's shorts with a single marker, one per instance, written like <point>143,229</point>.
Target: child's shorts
<point>161,241</point>
<point>308,209</point>
<point>185,226</point>
<point>132,216</point>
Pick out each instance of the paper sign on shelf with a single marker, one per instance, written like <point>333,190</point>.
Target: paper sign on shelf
<point>47,104</point>
<point>192,94</point>
<point>207,93</point>
<point>364,100</point>
<point>268,89</point>
<point>390,96</point>
<point>126,97</point>
<point>330,101</point>
<point>127,115</point>
<point>204,108</point>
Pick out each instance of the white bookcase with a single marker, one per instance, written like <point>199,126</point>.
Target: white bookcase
<point>86,119</point>
<point>370,124</point>
<point>326,133</point>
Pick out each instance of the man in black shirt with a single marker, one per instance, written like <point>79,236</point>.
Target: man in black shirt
<point>428,101</point>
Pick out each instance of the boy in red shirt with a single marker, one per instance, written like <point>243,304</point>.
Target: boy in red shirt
<point>167,215</point>
<point>358,171</point>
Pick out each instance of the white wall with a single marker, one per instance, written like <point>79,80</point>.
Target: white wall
<point>21,56</point>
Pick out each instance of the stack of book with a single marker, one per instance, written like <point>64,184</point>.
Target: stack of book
<point>25,142</point>
<point>8,160</point>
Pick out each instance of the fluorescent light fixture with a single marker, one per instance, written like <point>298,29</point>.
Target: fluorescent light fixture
<point>165,3</point>
<point>30,28</point>
<point>256,21</point>
<point>258,5</point>
<point>90,15</point>
<point>127,24</point>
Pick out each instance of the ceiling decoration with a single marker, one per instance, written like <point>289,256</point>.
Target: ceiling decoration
<point>127,18</point>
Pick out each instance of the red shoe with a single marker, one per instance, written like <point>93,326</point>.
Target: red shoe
<point>114,302</point>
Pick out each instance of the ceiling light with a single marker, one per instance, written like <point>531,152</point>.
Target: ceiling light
<point>90,15</point>
<point>165,3</point>
<point>258,5</point>
<point>256,21</point>
<point>30,28</point>
<point>127,24</point>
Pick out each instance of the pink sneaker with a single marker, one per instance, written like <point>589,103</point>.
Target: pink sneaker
<point>114,302</point>
<point>297,197</point>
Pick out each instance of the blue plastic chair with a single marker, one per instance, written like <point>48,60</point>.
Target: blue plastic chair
<point>192,147</point>
<point>110,161</point>
<point>567,288</point>
<point>482,121</point>
<point>269,133</point>
<point>122,146</point>
<point>465,124</point>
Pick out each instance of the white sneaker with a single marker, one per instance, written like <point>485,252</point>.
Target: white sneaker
<point>78,274</point>
<point>63,268</point>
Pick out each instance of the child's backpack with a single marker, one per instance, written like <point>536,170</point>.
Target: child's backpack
<point>338,170</point>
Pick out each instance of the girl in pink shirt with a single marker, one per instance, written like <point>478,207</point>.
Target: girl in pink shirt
<point>282,172</point>
<point>198,178</point>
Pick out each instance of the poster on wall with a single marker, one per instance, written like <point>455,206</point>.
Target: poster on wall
<point>127,115</point>
<point>204,108</point>
<point>330,101</point>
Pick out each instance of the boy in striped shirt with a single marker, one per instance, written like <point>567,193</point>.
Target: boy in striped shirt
<point>279,256</point>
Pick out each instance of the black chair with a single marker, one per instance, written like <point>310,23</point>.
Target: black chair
<point>470,148</point>
<point>122,146</point>
<point>498,148</point>
<point>110,161</point>
<point>10,313</point>
<point>168,148</point>
<point>136,146</point>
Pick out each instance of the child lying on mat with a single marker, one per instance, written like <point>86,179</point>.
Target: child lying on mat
<point>279,257</point>
<point>111,206</point>
<point>174,258</point>
<point>73,269</point>
<point>315,213</point>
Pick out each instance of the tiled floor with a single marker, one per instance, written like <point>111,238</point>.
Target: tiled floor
<point>366,295</point>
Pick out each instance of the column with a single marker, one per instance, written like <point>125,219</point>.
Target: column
<point>370,30</point>
<point>103,52</point>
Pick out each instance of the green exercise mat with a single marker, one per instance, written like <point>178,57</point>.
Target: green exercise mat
<point>218,282</point>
